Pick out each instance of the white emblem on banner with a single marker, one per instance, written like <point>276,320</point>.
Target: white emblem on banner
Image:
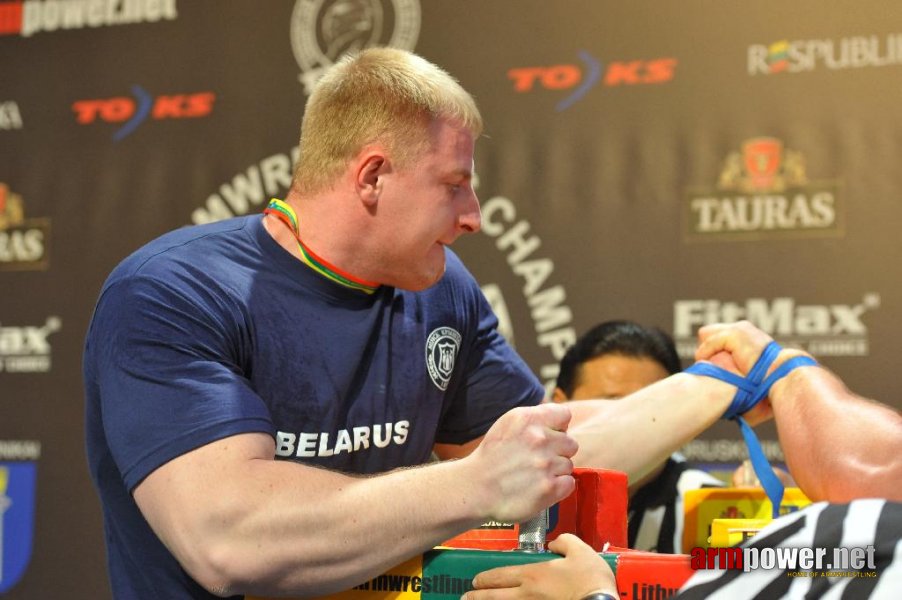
<point>442,347</point>
<point>546,301</point>
<point>495,298</point>
<point>322,31</point>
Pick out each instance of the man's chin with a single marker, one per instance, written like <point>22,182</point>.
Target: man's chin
<point>422,282</point>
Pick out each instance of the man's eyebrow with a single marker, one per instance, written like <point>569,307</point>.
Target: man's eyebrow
<point>462,173</point>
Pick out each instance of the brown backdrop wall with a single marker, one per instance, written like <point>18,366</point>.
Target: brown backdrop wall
<point>672,163</point>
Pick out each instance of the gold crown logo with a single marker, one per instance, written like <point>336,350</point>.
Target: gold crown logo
<point>12,211</point>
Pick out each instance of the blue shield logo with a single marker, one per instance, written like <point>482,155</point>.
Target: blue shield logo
<point>17,502</point>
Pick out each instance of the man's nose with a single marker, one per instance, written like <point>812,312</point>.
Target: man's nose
<point>470,220</point>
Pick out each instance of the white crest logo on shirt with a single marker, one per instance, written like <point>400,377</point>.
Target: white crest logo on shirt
<point>442,346</point>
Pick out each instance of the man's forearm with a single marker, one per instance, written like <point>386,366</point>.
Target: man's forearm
<point>279,528</point>
<point>240,522</point>
<point>635,433</point>
<point>338,537</point>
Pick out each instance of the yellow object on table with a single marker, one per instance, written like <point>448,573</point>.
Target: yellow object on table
<point>703,506</point>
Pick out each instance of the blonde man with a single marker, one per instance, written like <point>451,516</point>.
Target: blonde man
<point>241,376</point>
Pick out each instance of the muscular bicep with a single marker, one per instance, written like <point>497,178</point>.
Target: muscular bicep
<point>200,469</point>
<point>192,499</point>
<point>240,522</point>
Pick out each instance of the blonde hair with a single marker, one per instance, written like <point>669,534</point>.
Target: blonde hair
<point>378,95</point>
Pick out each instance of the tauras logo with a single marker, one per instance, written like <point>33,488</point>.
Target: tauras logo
<point>23,242</point>
<point>763,191</point>
<point>764,213</point>
<point>820,329</point>
<point>26,349</point>
<point>323,444</point>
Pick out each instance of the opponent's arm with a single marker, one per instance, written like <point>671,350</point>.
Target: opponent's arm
<point>240,522</point>
<point>637,432</point>
<point>838,445</point>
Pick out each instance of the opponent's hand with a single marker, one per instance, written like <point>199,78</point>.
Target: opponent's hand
<point>744,342</point>
<point>579,573</point>
<point>741,340</point>
<point>759,413</point>
<point>523,463</point>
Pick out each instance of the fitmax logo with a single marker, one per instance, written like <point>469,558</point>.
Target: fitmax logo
<point>132,112</point>
<point>825,330</point>
<point>582,78</point>
<point>26,349</point>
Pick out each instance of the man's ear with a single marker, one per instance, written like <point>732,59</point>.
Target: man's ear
<point>369,177</point>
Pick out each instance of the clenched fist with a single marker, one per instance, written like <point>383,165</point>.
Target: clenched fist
<point>523,463</point>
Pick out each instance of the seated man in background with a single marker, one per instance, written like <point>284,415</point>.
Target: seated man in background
<point>613,360</point>
<point>846,454</point>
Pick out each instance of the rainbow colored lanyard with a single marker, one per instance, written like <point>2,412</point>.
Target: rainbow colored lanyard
<point>286,214</point>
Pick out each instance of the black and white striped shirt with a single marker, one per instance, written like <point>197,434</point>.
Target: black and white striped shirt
<point>858,524</point>
<point>655,514</point>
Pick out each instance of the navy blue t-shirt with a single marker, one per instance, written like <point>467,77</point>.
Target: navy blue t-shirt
<point>215,330</point>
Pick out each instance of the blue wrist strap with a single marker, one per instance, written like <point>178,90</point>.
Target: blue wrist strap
<point>752,389</point>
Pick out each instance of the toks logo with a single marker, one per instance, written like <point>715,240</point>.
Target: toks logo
<point>582,79</point>
<point>133,112</point>
<point>763,192</point>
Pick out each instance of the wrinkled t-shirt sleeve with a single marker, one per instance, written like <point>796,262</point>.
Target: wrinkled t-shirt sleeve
<point>168,369</point>
<point>494,380</point>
